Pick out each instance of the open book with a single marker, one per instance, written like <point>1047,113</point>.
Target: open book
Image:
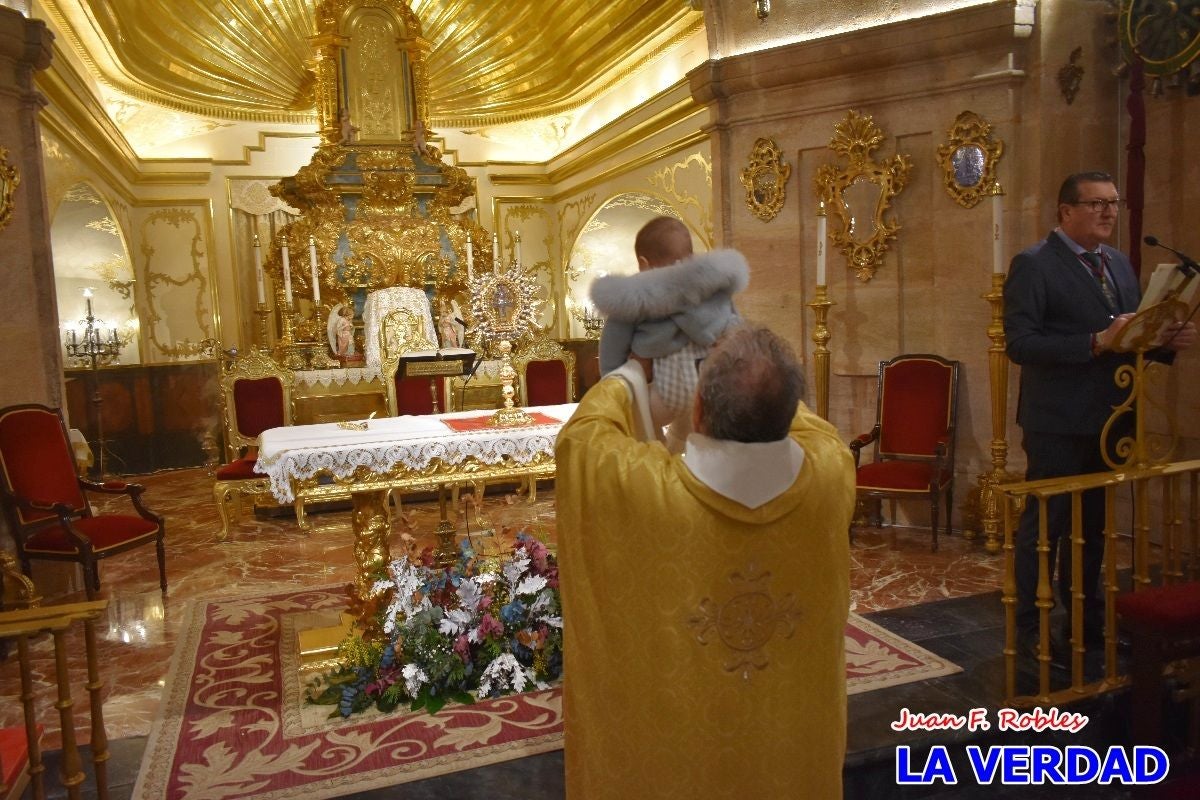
<point>1168,278</point>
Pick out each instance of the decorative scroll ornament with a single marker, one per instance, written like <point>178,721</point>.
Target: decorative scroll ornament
<point>969,159</point>
<point>765,180</point>
<point>859,194</point>
<point>9,180</point>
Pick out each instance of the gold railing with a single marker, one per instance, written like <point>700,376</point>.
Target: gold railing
<point>25,625</point>
<point>1178,559</point>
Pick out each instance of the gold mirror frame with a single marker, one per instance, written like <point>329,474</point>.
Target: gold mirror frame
<point>855,138</point>
<point>970,130</point>
<point>9,180</point>
<point>767,174</point>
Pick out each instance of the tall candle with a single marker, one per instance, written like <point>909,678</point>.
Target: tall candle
<point>316,276</point>
<point>74,341</point>
<point>287,273</point>
<point>470,259</point>
<point>997,230</point>
<point>495,255</point>
<point>258,272</point>
<point>821,222</point>
<point>518,249</point>
<point>87,300</point>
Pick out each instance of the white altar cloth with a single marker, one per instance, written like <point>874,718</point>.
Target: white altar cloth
<point>299,452</point>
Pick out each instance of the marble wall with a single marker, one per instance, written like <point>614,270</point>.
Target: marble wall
<point>1001,60</point>
<point>28,350</point>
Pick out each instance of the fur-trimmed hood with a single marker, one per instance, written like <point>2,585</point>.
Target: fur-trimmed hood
<point>664,291</point>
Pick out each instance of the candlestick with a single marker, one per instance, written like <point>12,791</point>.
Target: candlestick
<point>316,276</point>
<point>997,229</point>
<point>87,299</point>
<point>113,338</point>
<point>74,341</point>
<point>822,220</point>
<point>518,261</point>
<point>287,273</point>
<point>495,255</point>
<point>258,272</point>
<point>470,259</point>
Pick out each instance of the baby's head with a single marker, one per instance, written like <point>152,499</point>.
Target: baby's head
<point>346,311</point>
<point>662,242</point>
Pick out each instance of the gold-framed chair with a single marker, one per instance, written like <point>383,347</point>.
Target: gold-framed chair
<point>915,421</point>
<point>545,373</point>
<point>401,332</point>
<point>47,506</point>
<point>257,395</point>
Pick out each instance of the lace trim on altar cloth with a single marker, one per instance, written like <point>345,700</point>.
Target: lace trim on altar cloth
<point>303,452</point>
<point>337,377</point>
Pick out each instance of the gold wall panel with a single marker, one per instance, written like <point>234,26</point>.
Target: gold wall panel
<point>173,267</point>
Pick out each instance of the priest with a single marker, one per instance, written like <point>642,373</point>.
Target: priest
<point>705,595</point>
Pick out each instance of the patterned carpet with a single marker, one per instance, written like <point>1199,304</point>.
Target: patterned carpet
<point>233,724</point>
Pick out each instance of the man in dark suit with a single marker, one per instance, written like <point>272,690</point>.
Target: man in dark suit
<point>1065,300</point>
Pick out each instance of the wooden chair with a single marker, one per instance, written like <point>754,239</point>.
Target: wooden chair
<point>257,395</point>
<point>49,514</point>
<point>916,414</point>
<point>545,372</point>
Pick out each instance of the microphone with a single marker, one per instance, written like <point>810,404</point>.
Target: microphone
<point>1187,266</point>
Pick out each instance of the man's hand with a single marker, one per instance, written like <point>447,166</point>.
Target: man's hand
<point>1103,340</point>
<point>1179,335</point>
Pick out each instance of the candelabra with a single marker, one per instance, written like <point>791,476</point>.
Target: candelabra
<point>93,349</point>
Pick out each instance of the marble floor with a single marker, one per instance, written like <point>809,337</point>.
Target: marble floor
<point>267,551</point>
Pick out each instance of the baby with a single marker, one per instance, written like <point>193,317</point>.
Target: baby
<point>671,311</point>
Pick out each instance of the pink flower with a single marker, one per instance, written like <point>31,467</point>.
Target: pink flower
<point>490,626</point>
<point>462,647</point>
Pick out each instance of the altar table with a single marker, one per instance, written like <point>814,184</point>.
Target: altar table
<point>410,454</point>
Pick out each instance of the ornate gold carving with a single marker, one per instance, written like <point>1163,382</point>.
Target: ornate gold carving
<point>746,621</point>
<point>156,282</point>
<point>765,180</point>
<point>9,180</point>
<point>969,158</point>
<point>668,179</point>
<point>864,227</point>
<point>371,525</point>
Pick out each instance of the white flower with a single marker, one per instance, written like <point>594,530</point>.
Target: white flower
<point>538,611</point>
<point>507,672</point>
<point>407,580</point>
<point>514,569</point>
<point>455,621</point>
<point>531,585</point>
<point>414,679</point>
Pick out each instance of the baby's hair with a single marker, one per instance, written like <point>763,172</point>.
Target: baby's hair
<point>663,241</point>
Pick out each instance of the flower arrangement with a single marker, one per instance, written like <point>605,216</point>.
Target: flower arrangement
<point>471,630</point>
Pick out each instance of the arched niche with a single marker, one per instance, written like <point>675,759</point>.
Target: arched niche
<point>90,252</point>
<point>605,247</point>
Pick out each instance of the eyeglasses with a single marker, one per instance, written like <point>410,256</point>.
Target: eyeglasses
<point>1098,205</point>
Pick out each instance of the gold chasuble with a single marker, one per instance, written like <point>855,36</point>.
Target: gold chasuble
<point>703,639</point>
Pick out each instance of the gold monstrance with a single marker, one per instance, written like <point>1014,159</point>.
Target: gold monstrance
<point>505,306</point>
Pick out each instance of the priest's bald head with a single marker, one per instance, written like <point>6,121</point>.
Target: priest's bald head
<point>750,386</point>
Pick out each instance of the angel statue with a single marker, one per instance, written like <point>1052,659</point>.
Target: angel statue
<point>340,328</point>
<point>451,328</point>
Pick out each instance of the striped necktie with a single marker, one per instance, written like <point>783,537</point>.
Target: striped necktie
<point>1096,265</point>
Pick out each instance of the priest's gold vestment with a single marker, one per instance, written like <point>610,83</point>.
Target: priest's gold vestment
<point>703,639</point>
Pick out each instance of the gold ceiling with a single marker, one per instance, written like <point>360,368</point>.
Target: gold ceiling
<point>491,61</point>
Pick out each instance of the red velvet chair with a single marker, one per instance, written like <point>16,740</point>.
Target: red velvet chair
<point>48,512</point>
<point>913,435</point>
<point>257,395</point>
<point>545,373</point>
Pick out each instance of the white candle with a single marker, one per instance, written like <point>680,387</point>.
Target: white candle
<point>997,232</point>
<point>821,222</point>
<point>74,341</point>
<point>495,255</point>
<point>316,276</point>
<point>87,299</point>
<point>518,249</point>
<point>287,273</point>
<point>470,259</point>
<point>258,272</point>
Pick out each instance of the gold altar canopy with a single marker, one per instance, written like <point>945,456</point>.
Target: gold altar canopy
<point>378,206</point>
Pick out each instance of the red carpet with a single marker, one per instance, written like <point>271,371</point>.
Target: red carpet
<point>232,725</point>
